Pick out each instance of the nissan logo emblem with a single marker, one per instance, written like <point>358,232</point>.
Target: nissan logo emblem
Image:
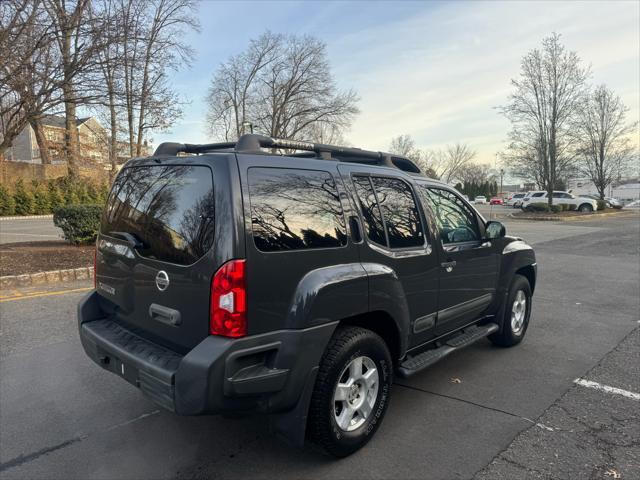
<point>162,280</point>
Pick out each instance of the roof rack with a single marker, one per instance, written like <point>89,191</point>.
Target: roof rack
<point>252,143</point>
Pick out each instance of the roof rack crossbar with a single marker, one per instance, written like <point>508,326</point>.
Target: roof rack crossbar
<point>252,143</point>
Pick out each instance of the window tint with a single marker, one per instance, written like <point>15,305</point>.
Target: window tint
<point>561,195</point>
<point>168,208</point>
<point>370,211</point>
<point>399,212</point>
<point>455,220</point>
<point>295,209</point>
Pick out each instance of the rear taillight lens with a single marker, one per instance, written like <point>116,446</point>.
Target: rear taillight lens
<point>228,314</point>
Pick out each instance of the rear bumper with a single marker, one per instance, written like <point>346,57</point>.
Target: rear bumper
<point>265,373</point>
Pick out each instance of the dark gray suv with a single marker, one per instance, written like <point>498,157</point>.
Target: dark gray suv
<point>233,278</point>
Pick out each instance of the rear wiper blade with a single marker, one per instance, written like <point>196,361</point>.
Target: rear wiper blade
<point>130,238</point>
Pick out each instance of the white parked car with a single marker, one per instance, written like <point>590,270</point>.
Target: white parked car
<point>515,200</point>
<point>583,204</point>
<point>480,199</point>
<point>634,204</point>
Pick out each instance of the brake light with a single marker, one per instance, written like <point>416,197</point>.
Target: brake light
<point>228,313</point>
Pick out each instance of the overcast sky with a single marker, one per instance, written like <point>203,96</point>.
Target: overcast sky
<point>432,70</point>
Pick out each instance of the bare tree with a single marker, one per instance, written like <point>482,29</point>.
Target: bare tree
<point>30,75</point>
<point>283,85</point>
<point>164,49</point>
<point>405,145</point>
<point>142,42</point>
<point>77,45</point>
<point>545,101</point>
<point>444,164</point>
<point>448,164</point>
<point>111,64</point>
<point>475,173</point>
<point>603,137</point>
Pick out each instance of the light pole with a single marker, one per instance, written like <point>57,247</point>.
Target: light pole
<point>501,175</point>
<point>247,125</point>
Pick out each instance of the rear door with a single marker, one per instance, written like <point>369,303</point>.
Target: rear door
<point>153,260</point>
<point>295,227</point>
<point>395,235</point>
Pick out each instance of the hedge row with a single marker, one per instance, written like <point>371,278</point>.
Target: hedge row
<point>79,223</point>
<point>41,198</point>
<point>544,207</point>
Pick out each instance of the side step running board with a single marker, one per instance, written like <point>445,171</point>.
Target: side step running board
<point>419,362</point>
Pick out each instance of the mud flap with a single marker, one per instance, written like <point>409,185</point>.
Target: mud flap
<point>291,426</point>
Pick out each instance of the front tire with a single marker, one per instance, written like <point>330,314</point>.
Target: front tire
<point>516,315</point>
<point>585,207</point>
<point>352,391</point>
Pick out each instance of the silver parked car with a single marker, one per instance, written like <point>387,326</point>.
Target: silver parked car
<point>609,201</point>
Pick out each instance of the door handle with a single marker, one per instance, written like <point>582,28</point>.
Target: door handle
<point>165,315</point>
<point>356,231</point>
<point>448,266</point>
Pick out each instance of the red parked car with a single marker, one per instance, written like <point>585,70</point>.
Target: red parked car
<point>496,201</point>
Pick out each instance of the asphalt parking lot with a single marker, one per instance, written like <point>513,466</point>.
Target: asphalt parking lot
<point>483,412</point>
<point>28,230</point>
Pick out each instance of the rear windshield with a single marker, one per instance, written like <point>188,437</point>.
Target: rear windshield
<point>168,209</point>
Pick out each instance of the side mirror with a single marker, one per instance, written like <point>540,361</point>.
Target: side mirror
<point>495,230</point>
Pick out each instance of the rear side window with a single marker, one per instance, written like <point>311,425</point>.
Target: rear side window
<point>370,210</point>
<point>295,210</point>
<point>537,194</point>
<point>388,207</point>
<point>561,195</point>
<point>169,209</point>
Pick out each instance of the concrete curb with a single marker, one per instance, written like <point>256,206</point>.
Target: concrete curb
<point>549,218</point>
<point>44,278</point>
<point>26,217</point>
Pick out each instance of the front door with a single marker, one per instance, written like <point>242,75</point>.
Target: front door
<point>468,264</point>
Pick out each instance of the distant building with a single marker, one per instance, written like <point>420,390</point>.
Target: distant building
<point>626,189</point>
<point>93,140</point>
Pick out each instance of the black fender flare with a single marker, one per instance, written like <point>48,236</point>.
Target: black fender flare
<point>516,255</point>
<point>333,293</point>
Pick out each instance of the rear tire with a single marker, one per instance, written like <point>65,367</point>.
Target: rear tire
<point>352,391</point>
<point>516,315</point>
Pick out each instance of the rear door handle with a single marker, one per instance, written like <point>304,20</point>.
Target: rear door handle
<point>165,315</point>
<point>448,266</point>
<point>356,231</point>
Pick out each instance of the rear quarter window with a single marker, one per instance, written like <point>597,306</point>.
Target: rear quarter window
<point>295,209</point>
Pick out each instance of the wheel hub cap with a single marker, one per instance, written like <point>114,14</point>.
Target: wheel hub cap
<point>518,313</point>
<point>356,393</point>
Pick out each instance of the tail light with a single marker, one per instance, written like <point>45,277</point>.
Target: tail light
<point>228,315</point>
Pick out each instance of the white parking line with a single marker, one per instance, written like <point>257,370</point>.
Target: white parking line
<point>607,388</point>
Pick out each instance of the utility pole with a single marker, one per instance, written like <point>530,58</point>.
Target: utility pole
<point>247,126</point>
<point>501,175</point>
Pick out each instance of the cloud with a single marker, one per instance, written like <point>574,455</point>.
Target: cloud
<point>433,70</point>
<point>438,76</point>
